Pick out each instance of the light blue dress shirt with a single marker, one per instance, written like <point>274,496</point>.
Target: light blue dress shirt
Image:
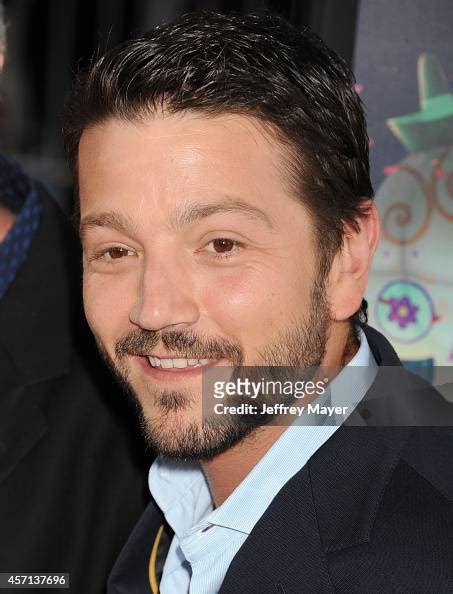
<point>207,539</point>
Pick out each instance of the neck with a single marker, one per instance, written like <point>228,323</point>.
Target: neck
<point>227,470</point>
<point>7,219</point>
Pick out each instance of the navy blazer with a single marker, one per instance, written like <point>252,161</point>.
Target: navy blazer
<point>371,511</point>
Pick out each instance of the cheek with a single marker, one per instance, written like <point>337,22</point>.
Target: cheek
<point>106,306</point>
<point>258,303</point>
<point>252,305</point>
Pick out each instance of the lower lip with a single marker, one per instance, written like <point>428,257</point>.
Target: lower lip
<point>176,374</point>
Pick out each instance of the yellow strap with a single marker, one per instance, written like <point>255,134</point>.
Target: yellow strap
<point>152,562</point>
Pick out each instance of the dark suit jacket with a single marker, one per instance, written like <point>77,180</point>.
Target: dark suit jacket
<point>372,511</point>
<point>72,482</point>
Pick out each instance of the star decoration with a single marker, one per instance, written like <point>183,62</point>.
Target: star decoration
<point>402,311</point>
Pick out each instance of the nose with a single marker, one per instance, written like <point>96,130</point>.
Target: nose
<point>164,299</point>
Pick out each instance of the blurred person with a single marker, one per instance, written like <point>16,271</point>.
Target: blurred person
<point>227,220</point>
<point>71,474</point>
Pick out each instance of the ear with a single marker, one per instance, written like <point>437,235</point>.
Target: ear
<point>348,275</point>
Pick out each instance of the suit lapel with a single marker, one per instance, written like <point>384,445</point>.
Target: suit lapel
<point>131,570</point>
<point>329,505</point>
<point>284,551</point>
<point>349,475</point>
<point>22,425</point>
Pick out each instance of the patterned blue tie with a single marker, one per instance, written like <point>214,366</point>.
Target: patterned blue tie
<point>19,196</point>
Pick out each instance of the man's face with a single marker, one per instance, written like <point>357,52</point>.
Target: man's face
<point>195,254</point>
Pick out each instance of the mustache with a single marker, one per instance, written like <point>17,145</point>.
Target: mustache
<point>184,344</point>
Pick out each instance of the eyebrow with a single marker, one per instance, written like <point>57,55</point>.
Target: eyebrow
<point>191,213</point>
<point>185,215</point>
<point>111,220</point>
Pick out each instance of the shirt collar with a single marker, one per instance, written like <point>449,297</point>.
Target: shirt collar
<point>353,382</point>
<point>181,491</point>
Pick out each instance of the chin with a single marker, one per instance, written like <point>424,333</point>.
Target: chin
<point>176,436</point>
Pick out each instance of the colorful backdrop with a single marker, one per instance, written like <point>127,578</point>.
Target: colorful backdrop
<point>404,70</point>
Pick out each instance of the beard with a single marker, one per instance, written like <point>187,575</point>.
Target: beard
<point>300,345</point>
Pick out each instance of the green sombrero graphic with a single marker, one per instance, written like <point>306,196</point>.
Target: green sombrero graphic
<point>432,126</point>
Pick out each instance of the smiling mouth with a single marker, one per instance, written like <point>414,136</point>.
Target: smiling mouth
<point>177,363</point>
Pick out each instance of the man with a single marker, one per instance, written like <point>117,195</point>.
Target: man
<point>226,220</point>
<point>71,476</point>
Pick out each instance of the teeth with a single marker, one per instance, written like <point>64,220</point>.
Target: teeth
<point>180,363</point>
<point>166,363</point>
<point>177,363</point>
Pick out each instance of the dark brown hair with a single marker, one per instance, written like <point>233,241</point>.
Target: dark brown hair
<point>258,66</point>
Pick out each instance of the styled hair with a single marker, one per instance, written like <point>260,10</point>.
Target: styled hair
<point>257,66</point>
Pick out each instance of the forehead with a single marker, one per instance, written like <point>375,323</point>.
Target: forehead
<point>158,163</point>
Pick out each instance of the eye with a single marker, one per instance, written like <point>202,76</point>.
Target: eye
<point>108,255</point>
<point>115,253</point>
<point>223,247</point>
